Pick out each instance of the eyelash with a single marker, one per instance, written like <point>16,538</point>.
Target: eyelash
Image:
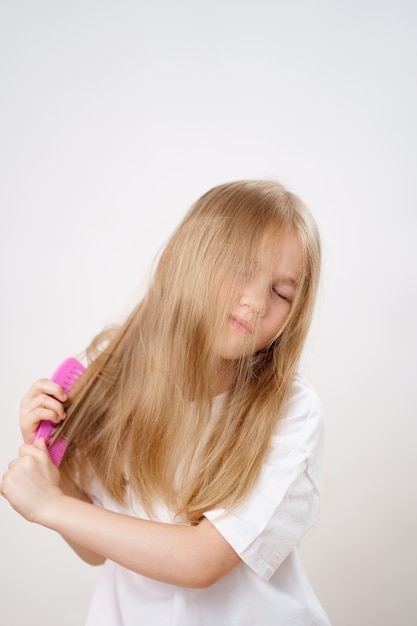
<point>280,295</point>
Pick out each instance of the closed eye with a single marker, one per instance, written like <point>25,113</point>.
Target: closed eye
<point>282,295</point>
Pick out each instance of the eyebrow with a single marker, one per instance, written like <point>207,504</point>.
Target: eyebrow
<point>288,280</point>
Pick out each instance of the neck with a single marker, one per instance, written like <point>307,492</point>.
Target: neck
<point>224,377</point>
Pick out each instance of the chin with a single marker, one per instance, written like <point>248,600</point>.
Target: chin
<point>234,354</point>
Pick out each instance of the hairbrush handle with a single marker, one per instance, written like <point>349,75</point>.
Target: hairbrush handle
<point>65,375</point>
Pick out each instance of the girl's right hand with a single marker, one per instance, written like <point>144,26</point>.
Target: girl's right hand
<point>44,401</point>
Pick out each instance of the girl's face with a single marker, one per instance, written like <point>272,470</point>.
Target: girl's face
<point>264,301</point>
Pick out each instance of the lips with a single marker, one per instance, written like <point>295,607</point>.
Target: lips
<point>241,325</point>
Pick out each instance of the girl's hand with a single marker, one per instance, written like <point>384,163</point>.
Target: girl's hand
<point>31,482</point>
<point>44,401</point>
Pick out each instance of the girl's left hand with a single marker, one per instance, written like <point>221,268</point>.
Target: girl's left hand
<point>32,481</point>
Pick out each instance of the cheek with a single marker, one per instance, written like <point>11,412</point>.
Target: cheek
<point>276,321</point>
<point>280,314</point>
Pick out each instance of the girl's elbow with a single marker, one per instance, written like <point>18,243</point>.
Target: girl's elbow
<point>204,581</point>
<point>209,581</point>
<point>204,576</point>
<point>95,561</point>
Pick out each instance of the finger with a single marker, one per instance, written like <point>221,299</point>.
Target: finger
<point>48,387</point>
<point>41,444</point>
<point>40,415</point>
<point>42,403</point>
<point>2,487</point>
<point>33,450</point>
<point>12,463</point>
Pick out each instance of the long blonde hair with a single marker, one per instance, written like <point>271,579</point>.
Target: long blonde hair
<point>143,411</point>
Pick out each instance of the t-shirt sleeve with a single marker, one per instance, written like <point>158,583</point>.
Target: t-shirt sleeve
<point>284,503</point>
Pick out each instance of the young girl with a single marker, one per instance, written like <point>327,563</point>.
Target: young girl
<point>195,447</point>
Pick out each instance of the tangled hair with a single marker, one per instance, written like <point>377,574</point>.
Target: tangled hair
<point>143,413</point>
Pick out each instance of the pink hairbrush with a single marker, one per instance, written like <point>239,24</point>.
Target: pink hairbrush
<point>66,375</point>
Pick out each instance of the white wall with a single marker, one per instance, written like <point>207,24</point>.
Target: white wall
<point>114,118</point>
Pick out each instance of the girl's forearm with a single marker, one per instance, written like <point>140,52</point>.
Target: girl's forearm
<point>190,556</point>
<point>70,489</point>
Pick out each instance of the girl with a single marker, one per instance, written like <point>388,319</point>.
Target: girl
<point>195,447</point>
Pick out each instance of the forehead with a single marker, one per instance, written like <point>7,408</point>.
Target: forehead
<point>281,255</point>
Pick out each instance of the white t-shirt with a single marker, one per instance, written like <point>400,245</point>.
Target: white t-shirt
<point>269,586</point>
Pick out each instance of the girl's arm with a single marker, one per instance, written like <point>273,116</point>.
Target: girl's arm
<point>44,401</point>
<point>189,556</point>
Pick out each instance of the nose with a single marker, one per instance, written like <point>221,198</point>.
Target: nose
<point>253,296</point>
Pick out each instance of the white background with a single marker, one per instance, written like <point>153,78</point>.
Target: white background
<point>114,118</point>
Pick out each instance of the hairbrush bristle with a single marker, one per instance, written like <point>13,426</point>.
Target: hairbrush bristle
<point>57,450</point>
